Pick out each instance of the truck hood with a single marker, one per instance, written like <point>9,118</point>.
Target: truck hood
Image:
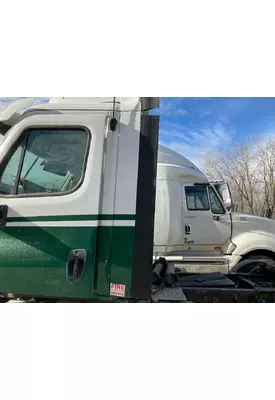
<point>246,222</point>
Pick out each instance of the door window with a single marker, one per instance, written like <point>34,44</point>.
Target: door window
<point>47,161</point>
<point>196,198</point>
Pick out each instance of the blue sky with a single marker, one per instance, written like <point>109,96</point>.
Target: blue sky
<point>197,126</point>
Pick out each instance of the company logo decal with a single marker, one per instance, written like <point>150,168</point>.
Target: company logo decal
<point>186,241</point>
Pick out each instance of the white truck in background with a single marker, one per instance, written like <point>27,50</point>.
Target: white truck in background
<point>195,227</point>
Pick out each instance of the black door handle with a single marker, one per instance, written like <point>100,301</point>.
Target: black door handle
<point>3,215</point>
<point>216,217</point>
<point>187,229</point>
<point>75,266</point>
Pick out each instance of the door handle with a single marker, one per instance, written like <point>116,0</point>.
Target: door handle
<point>187,229</point>
<point>75,266</point>
<point>3,215</point>
<point>216,217</point>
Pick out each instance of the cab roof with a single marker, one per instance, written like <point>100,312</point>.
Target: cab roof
<point>11,114</point>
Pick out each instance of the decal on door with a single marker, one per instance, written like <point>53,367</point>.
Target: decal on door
<point>186,241</point>
<point>117,290</point>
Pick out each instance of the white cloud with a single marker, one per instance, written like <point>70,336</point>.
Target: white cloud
<point>195,145</point>
<point>171,107</point>
<point>205,114</point>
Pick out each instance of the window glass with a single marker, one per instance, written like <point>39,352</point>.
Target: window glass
<point>196,198</point>
<point>7,181</point>
<point>216,205</point>
<point>53,162</point>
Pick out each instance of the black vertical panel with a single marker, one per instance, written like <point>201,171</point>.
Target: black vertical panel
<point>145,208</point>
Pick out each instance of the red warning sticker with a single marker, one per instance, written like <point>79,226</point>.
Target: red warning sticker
<point>117,290</point>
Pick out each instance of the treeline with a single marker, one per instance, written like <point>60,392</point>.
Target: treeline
<point>249,168</point>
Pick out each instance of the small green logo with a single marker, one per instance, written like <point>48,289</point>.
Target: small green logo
<point>186,241</point>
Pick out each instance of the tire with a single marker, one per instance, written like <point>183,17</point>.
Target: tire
<point>249,267</point>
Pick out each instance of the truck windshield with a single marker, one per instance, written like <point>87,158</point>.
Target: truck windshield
<point>218,188</point>
<point>216,204</point>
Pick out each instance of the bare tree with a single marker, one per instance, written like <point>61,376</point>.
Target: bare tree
<point>266,170</point>
<point>249,168</point>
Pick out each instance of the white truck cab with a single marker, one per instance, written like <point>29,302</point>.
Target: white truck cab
<point>194,223</point>
<point>77,188</point>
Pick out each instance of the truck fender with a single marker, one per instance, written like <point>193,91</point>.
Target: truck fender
<point>250,243</point>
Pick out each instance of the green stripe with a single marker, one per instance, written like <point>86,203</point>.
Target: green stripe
<point>94,217</point>
<point>117,217</point>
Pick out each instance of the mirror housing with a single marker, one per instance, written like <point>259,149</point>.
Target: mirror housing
<point>225,193</point>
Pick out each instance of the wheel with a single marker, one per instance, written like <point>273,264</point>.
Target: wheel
<point>254,263</point>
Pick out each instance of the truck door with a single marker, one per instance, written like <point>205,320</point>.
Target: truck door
<point>50,176</point>
<point>206,222</point>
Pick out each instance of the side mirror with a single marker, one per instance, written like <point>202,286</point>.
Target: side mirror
<point>224,191</point>
<point>228,203</point>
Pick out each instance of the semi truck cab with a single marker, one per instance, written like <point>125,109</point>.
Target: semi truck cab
<point>77,182</point>
<point>195,226</point>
